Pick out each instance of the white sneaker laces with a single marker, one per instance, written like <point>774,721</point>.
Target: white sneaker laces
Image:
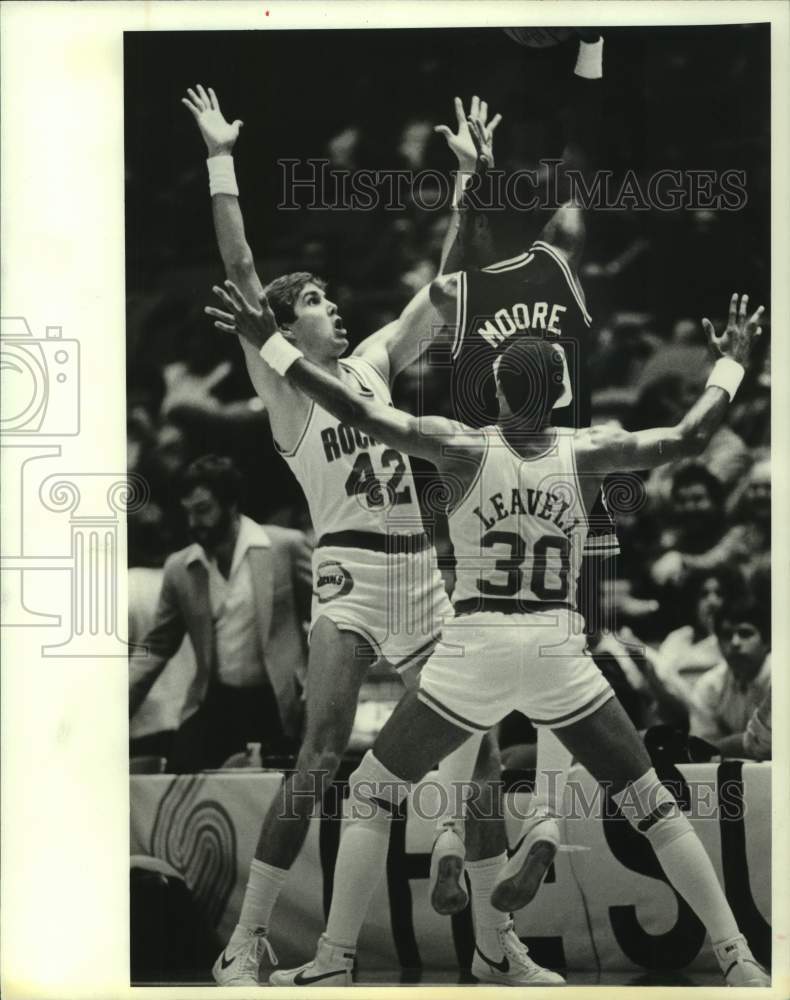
<point>259,944</point>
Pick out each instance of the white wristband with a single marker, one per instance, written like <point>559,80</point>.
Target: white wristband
<point>279,354</point>
<point>589,62</point>
<point>221,175</point>
<point>728,375</point>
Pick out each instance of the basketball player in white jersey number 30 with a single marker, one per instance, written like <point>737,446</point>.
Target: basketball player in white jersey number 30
<point>520,490</point>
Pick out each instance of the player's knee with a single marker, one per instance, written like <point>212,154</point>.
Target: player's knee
<point>374,791</point>
<point>652,810</point>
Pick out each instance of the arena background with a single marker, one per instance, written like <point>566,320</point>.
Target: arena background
<point>680,98</point>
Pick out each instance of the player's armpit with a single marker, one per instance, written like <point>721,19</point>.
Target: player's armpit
<point>398,344</point>
<point>566,230</point>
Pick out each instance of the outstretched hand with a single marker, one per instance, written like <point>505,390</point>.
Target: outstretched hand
<point>255,325</point>
<point>462,143</point>
<point>736,340</point>
<point>219,135</point>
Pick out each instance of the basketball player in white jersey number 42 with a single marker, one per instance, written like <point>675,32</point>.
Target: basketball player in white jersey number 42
<point>378,592</point>
<point>532,485</point>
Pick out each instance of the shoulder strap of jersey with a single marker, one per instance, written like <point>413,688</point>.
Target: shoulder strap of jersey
<point>351,365</point>
<point>573,282</point>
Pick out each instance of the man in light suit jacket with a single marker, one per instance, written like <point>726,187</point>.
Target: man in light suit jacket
<point>241,592</point>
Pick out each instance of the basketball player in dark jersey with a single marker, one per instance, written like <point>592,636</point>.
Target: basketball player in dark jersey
<point>535,294</point>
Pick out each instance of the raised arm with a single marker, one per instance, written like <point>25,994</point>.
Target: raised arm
<point>286,410</point>
<point>468,241</point>
<point>443,442</point>
<point>220,138</point>
<point>566,229</point>
<point>604,449</point>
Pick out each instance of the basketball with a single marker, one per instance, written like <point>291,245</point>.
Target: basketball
<point>538,38</point>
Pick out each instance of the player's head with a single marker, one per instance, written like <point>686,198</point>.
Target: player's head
<point>528,376</point>
<point>306,316</point>
<point>210,494</point>
<point>743,628</point>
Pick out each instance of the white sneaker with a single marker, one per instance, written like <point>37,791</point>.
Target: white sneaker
<point>522,875</point>
<point>331,967</point>
<point>447,886</point>
<point>239,963</point>
<point>512,965</point>
<point>739,967</point>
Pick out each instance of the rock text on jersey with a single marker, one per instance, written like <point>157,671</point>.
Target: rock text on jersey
<point>538,503</point>
<point>344,440</point>
<point>506,322</point>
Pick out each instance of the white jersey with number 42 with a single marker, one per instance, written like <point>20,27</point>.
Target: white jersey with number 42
<point>519,532</point>
<point>351,481</point>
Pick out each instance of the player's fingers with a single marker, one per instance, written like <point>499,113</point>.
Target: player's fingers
<point>483,111</point>
<point>707,326</point>
<point>733,309</point>
<point>202,91</point>
<point>744,304</point>
<point>493,123</point>
<point>755,317</point>
<point>238,124</point>
<point>758,332</point>
<point>188,104</point>
<point>221,372</point>
<point>460,115</point>
<point>223,296</point>
<point>239,302</point>
<point>474,107</point>
<point>218,313</point>
<point>225,327</point>
<point>214,101</point>
<point>197,100</point>
<point>443,130</point>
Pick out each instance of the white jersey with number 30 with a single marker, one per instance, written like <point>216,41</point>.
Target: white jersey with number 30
<point>519,532</point>
<point>351,481</point>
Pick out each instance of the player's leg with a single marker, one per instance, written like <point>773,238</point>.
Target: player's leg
<point>539,839</point>
<point>412,740</point>
<point>609,747</point>
<point>338,663</point>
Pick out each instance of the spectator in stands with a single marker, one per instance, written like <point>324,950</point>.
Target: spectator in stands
<point>692,649</point>
<point>725,698</point>
<point>241,592</point>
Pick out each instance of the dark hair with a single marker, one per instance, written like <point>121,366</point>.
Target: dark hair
<point>746,609</point>
<point>694,472</point>
<point>530,373</point>
<point>730,580</point>
<point>217,474</point>
<point>283,292</point>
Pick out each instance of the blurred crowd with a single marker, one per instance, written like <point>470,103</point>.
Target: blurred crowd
<point>687,640</point>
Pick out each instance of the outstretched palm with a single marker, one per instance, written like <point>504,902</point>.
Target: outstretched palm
<point>741,331</point>
<point>462,142</point>
<point>220,136</point>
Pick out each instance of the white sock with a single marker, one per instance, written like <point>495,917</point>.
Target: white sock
<point>648,804</point>
<point>361,862</point>
<point>482,877</point>
<point>456,771</point>
<point>263,888</point>
<point>688,867</point>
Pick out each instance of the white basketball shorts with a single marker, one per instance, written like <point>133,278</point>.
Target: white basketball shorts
<point>489,664</point>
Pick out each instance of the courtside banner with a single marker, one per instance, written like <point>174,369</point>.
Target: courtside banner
<point>605,903</point>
